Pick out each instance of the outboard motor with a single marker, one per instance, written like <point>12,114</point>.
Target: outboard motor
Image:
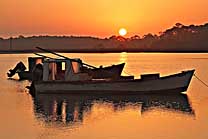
<point>18,68</point>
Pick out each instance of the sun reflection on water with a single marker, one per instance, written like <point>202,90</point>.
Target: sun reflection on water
<point>123,57</point>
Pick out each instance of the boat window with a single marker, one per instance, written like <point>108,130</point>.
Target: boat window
<point>76,67</point>
<point>38,61</point>
<point>60,70</point>
<point>52,71</point>
<point>63,65</point>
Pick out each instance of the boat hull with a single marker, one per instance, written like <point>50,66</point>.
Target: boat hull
<point>25,75</point>
<point>170,84</point>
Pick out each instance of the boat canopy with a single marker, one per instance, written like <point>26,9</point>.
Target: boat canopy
<point>63,69</point>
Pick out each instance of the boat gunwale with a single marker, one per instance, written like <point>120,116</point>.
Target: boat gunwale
<point>117,81</point>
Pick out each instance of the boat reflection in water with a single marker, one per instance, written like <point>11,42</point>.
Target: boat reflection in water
<point>66,108</point>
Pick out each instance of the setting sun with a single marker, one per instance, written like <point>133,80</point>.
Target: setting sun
<point>122,31</point>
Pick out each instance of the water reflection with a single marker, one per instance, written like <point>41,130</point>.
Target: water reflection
<point>72,108</point>
<point>123,57</point>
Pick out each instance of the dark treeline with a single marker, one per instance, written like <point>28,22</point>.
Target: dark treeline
<point>179,38</point>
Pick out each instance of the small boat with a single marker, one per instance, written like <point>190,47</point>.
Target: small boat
<point>72,80</point>
<point>113,71</point>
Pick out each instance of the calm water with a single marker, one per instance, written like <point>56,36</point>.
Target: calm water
<point>108,117</point>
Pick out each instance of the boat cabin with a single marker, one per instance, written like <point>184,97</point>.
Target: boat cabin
<point>64,70</point>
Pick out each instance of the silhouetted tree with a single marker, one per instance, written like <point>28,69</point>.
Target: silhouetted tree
<point>179,25</point>
<point>135,37</point>
<point>21,37</point>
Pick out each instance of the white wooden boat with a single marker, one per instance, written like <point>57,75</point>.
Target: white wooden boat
<point>71,80</point>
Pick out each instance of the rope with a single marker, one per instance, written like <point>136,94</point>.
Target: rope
<point>201,80</point>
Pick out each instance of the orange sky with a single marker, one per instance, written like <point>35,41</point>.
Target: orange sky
<point>100,18</point>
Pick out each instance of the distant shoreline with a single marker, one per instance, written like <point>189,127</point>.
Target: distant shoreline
<point>178,39</point>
